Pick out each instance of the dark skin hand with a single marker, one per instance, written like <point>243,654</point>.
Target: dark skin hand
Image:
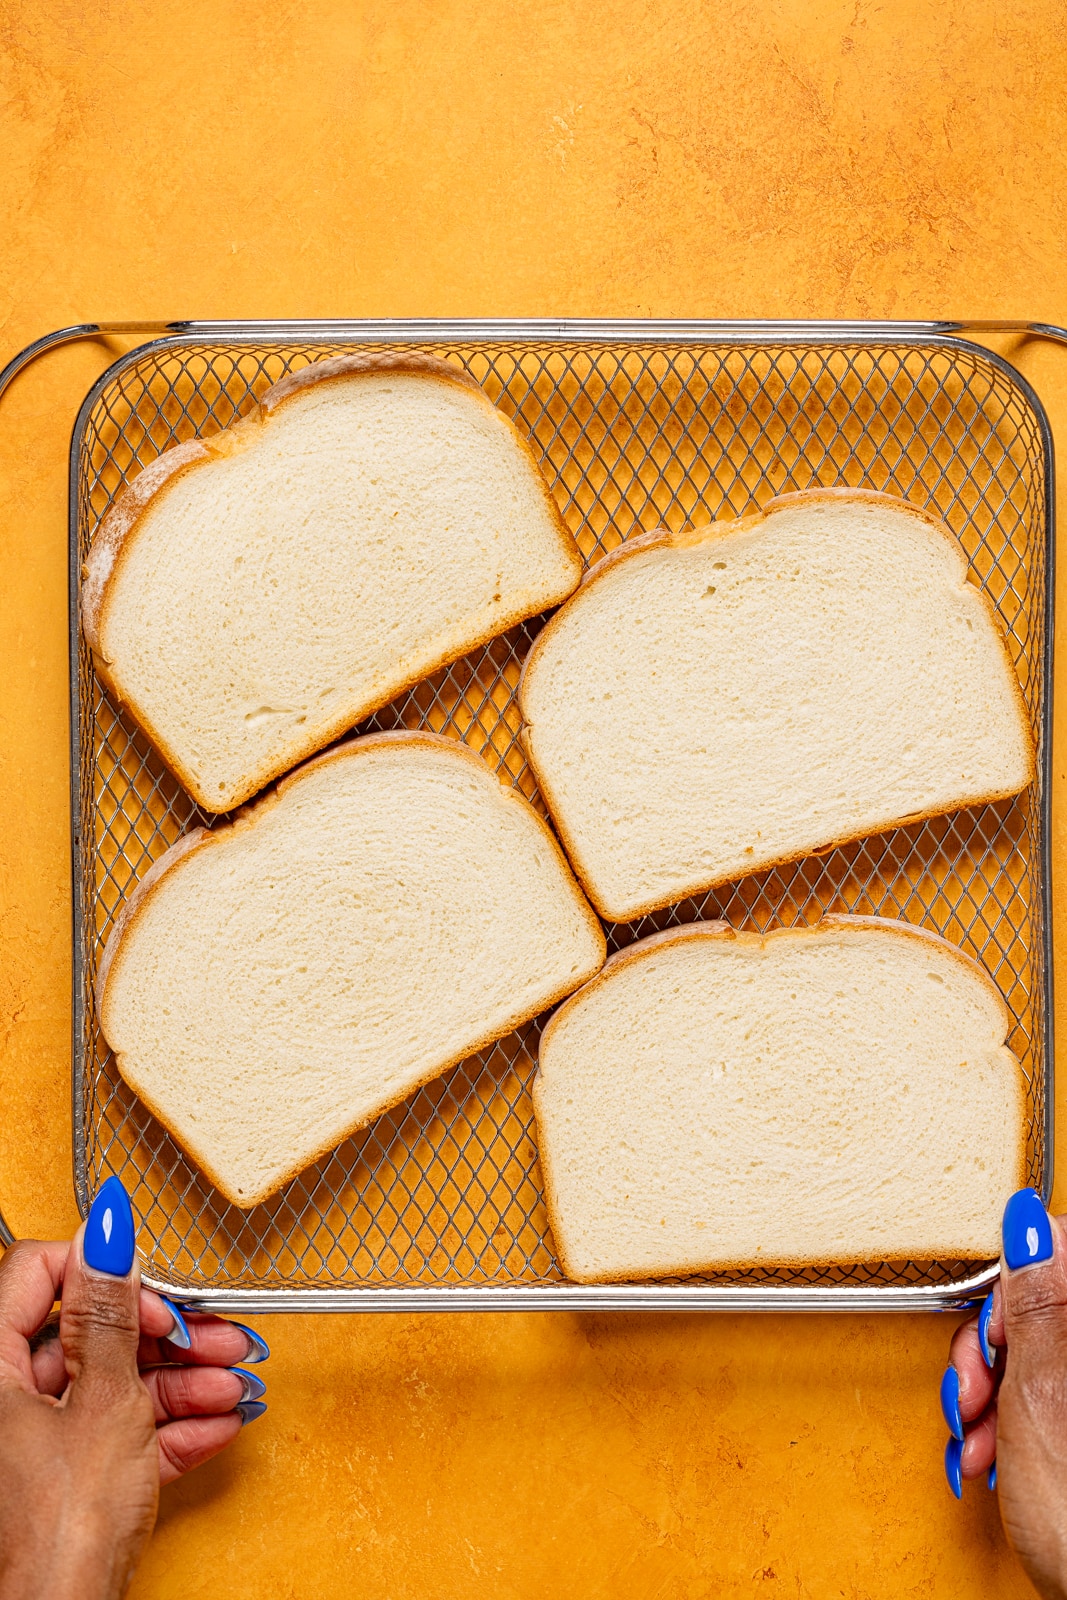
<point>1016,1413</point>
<point>94,1420</point>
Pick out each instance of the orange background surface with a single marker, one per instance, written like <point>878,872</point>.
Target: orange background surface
<point>219,158</point>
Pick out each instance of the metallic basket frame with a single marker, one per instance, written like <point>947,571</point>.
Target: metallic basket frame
<point>550,1295</point>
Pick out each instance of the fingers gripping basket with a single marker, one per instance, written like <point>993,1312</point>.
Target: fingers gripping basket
<point>439,1203</point>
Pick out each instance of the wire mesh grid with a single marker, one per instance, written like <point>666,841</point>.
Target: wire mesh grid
<point>446,1188</point>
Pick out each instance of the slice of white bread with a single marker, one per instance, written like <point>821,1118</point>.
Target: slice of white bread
<point>275,984</point>
<point>833,1094</point>
<point>253,595</point>
<point>715,702</point>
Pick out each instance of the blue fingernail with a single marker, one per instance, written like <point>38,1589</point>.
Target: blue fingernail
<point>108,1245</point>
<point>249,1411</point>
<point>254,1388</point>
<point>992,1478</point>
<point>954,1467</point>
<point>1027,1230</point>
<point>984,1318</point>
<point>260,1348</point>
<point>950,1402</point>
<point>179,1334</point>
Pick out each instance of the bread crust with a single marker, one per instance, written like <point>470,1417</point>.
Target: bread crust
<point>639,951</point>
<point>201,838</point>
<point>118,532</point>
<point>107,547</point>
<point>713,532</point>
<point>356,363</point>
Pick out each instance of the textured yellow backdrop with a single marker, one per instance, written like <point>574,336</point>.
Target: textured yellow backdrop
<point>461,157</point>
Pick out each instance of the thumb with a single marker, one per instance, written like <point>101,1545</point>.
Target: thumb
<point>1033,1281</point>
<point>99,1322</point>
<point>1032,1401</point>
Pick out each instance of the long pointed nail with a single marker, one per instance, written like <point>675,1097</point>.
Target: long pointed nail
<point>258,1350</point>
<point>950,1402</point>
<point>953,1466</point>
<point>991,1480</point>
<point>253,1388</point>
<point>249,1411</point>
<point>984,1319</point>
<point>109,1241</point>
<point>179,1334</point>
<point>1026,1230</point>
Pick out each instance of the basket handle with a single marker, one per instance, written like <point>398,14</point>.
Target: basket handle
<point>8,374</point>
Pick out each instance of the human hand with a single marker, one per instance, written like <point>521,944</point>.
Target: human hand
<point>1004,1394</point>
<point>125,1396</point>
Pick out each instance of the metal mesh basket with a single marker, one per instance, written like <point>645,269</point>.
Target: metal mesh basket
<point>439,1202</point>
